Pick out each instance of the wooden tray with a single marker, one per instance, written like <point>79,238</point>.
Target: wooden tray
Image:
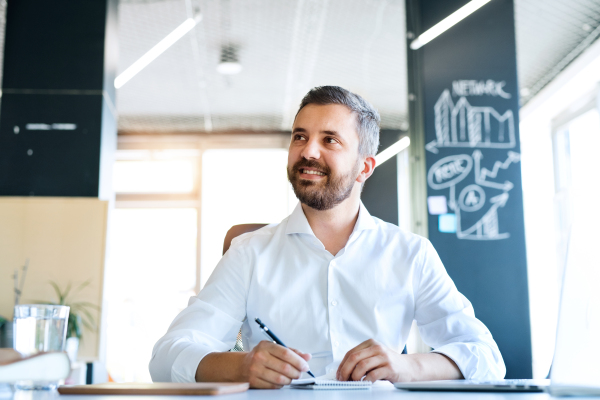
<point>176,389</point>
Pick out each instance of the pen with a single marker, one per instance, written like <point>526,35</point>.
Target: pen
<point>274,337</point>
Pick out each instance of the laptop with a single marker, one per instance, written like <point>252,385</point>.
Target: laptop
<point>575,368</point>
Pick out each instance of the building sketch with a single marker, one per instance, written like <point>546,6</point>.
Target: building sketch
<point>463,125</point>
<point>447,172</point>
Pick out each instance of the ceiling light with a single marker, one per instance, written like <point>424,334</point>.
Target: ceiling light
<point>447,23</point>
<point>392,150</point>
<point>156,51</point>
<point>229,64</point>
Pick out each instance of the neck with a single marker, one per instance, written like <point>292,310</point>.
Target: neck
<point>333,227</point>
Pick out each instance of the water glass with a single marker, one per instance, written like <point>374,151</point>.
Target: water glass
<point>39,328</point>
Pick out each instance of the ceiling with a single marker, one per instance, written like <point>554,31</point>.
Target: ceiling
<point>288,46</point>
<point>285,48</point>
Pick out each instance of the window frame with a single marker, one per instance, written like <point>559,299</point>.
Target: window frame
<point>199,142</point>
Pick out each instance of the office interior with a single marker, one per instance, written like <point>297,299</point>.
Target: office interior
<point>179,112</point>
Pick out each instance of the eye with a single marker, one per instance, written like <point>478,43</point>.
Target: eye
<point>298,137</point>
<point>331,140</point>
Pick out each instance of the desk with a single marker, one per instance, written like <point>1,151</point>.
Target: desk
<point>384,392</point>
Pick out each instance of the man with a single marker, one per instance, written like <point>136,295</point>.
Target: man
<point>332,281</point>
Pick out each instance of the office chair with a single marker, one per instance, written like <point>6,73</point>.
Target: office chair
<point>232,233</point>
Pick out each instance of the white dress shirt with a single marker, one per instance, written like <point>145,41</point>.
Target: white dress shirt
<point>382,280</point>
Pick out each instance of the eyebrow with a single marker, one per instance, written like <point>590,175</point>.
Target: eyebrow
<point>332,133</point>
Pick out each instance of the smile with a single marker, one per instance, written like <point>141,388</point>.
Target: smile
<point>311,172</point>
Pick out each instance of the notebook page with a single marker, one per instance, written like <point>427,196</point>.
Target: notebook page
<point>328,381</point>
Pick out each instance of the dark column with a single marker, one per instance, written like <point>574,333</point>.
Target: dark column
<point>380,193</point>
<point>470,106</point>
<point>58,116</point>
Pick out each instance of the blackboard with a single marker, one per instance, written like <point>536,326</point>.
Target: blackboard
<point>471,110</point>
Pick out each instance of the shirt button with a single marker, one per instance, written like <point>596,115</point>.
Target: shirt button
<point>334,303</point>
<point>336,343</point>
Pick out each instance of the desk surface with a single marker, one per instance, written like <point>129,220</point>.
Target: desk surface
<point>384,392</point>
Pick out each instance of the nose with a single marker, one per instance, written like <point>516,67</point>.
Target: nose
<point>311,149</point>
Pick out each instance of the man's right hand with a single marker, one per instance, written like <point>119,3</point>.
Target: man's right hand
<point>267,366</point>
<point>271,366</point>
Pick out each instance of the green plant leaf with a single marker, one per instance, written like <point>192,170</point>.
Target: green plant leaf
<point>67,290</point>
<point>83,285</point>
<point>57,291</point>
<point>90,318</point>
<point>83,304</point>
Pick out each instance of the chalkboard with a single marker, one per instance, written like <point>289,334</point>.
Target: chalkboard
<point>475,222</point>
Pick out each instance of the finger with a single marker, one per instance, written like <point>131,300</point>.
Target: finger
<point>378,374</point>
<point>288,356</point>
<point>305,356</point>
<point>258,383</point>
<point>353,359</point>
<point>365,366</point>
<point>282,367</point>
<point>274,377</point>
<point>360,347</point>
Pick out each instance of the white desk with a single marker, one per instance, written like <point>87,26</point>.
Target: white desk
<point>379,392</point>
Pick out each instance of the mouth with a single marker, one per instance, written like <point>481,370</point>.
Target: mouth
<point>311,172</point>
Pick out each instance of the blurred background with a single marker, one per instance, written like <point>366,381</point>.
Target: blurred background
<point>200,135</point>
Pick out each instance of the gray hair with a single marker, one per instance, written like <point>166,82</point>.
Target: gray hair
<point>367,117</point>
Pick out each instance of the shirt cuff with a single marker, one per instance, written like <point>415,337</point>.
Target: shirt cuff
<point>186,364</point>
<point>472,362</point>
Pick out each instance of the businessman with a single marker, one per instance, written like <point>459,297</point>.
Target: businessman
<point>339,286</point>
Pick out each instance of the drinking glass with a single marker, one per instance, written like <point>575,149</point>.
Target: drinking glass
<point>38,328</point>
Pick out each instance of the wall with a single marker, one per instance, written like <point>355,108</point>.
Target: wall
<point>64,240</point>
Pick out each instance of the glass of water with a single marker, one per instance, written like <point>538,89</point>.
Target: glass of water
<point>39,328</point>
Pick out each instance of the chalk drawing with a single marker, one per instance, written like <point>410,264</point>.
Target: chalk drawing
<point>464,125</point>
<point>447,172</point>
<point>472,198</point>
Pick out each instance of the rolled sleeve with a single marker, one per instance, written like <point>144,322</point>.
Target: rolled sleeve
<point>447,322</point>
<point>210,323</point>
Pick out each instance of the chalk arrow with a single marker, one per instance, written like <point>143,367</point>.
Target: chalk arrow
<point>452,202</point>
<point>432,147</point>
<point>500,200</point>
<point>514,157</point>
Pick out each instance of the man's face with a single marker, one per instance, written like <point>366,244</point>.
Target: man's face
<point>323,161</point>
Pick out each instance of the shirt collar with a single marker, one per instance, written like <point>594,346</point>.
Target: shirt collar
<point>297,223</point>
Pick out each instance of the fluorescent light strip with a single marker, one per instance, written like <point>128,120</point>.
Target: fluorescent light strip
<point>392,150</point>
<point>156,51</point>
<point>447,23</point>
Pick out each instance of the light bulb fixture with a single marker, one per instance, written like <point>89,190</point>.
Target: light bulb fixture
<point>447,23</point>
<point>392,150</point>
<point>229,64</point>
<point>156,51</point>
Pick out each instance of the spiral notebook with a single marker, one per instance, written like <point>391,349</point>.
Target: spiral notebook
<point>328,382</point>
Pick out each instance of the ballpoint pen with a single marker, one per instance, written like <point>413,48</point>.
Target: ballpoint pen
<point>269,332</point>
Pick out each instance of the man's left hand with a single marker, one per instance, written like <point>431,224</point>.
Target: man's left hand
<point>376,362</point>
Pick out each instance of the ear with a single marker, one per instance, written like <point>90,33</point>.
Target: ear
<point>368,166</point>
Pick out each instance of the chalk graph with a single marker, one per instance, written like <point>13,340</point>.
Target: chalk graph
<point>464,125</point>
<point>447,172</point>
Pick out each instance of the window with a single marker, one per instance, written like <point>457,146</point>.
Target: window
<point>240,186</point>
<point>151,277</point>
<point>575,153</point>
<point>168,191</point>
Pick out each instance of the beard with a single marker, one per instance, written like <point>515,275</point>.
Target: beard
<point>323,194</point>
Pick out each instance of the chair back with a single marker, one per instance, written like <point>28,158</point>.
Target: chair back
<point>238,230</point>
